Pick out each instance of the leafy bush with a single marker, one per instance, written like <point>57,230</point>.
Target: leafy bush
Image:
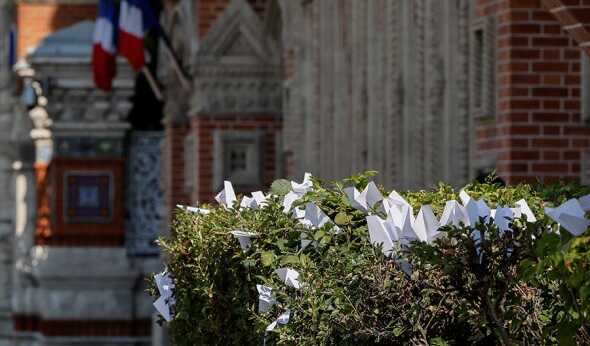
<point>530,287</point>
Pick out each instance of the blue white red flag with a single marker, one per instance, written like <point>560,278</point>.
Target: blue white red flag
<point>104,49</point>
<point>137,17</point>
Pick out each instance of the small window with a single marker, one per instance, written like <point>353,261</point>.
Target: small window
<point>238,158</point>
<point>478,70</point>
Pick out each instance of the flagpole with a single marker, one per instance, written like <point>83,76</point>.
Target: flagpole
<point>182,75</point>
<point>152,82</point>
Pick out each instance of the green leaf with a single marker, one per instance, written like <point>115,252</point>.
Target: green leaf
<point>291,259</point>
<point>280,187</point>
<point>267,258</point>
<point>342,219</point>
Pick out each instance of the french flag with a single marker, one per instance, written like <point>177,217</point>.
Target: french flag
<point>137,18</point>
<point>104,49</point>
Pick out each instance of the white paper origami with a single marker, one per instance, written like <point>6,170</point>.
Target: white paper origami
<point>297,191</point>
<point>258,200</point>
<point>265,299</point>
<point>426,225</point>
<point>476,209</point>
<point>405,266</point>
<point>454,214</point>
<point>304,187</point>
<point>383,232</point>
<point>227,196</point>
<point>280,321</point>
<point>403,220</point>
<point>245,238</point>
<point>365,200</point>
<point>395,200</point>
<point>166,300</point>
<point>502,218</point>
<point>585,203</point>
<point>524,209</point>
<point>571,216</point>
<point>305,243</point>
<point>289,276</point>
<point>194,209</point>
<point>314,217</point>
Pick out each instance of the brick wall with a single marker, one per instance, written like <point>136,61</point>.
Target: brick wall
<point>537,132</point>
<point>37,20</point>
<point>174,164</point>
<point>204,127</point>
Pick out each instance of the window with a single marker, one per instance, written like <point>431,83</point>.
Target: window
<point>238,158</point>
<point>483,67</point>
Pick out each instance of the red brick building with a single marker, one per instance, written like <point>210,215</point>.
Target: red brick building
<point>422,91</point>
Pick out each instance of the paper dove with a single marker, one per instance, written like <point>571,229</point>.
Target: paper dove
<point>405,266</point>
<point>298,190</point>
<point>245,238</point>
<point>403,220</point>
<point>257,200</point>
<point>585,203</point>
<point>227,196</point>
<point>304,187</point>
<point>289,276</point>
<point>280,321</point>
<point>315,217</point>
<point>454,214</point>
<point>194,209</point>
<point>395,200</point>
<point>363,200</point>
<point>476,209</point>
<point>265,299</point>
<point>382,232</point>
<point>426,225</point>
<point>570,216</point>
<point>524,208</point>
<point>305,243</point>
<point>502,218</point>
<point>165,301</point>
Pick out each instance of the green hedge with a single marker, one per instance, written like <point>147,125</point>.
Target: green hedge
<point>354,295</point>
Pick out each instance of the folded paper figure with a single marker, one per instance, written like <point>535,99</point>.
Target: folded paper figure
<point>524,209</point>
<point>258,200</point>
<point>383,232</point>
<point>585,203</point>
<point>395,200</point>
<point>166,300</point>
<point>426,225</point>
<point>265,299</point>
<point>365,200</point>
<point>194,210</point>
<point>403,220</point>
<point>297,191</point>
<point>280,321</point>
<point>502,218</point>
<point>289,276</point>
<point>304,187</point>
<point>227,196</point>
<point>571,216</point>
<point>454,214</point>
<point>314,217</point>
<point>245,238</point>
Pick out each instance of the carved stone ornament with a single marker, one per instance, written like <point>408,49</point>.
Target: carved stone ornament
<point>237,66</point>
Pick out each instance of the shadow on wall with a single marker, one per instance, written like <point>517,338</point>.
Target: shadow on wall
<point>35,21</point>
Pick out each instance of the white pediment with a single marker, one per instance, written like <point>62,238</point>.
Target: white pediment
<point>238,36</point>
